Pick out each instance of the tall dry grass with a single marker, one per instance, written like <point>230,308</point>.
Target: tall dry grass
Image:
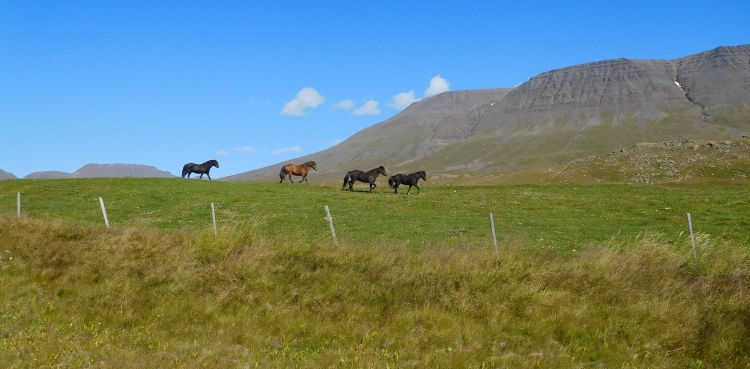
<point>76,295</point>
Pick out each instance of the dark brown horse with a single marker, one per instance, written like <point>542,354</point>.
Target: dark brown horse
<point>403,179</point>
<point>201,169</point>
<point>358,175</point>
<point>297,170</point>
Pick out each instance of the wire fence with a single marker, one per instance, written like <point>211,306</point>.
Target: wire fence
<point>456,226</point>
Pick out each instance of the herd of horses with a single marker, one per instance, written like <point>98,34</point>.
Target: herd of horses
<point>289,170</point>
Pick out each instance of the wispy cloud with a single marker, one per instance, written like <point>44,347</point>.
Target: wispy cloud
<point>257,103</point>
<point>369,108</point>
<point>402,100</point>
<point>306,98</point>
<point>222,152</point>
<point>437,85</point>
<point>344,105</point>
<point>246,149</point>
<point>286,149</point>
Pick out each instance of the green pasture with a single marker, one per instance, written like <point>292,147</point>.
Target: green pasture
<point>552,216</point>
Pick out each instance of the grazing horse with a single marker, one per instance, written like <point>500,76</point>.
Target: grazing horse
<point>358,175</point>
<point>297,170</point>
<point>199,168</point>
<point>403,179</point>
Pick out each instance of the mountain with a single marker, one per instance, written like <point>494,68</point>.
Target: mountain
<point>52,174</point>
<point>552,118</point>
<point>6,175</point>
<point>105,171</point>
<point>119,170</point>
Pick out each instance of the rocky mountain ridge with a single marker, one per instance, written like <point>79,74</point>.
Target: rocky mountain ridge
<point>553,118</point>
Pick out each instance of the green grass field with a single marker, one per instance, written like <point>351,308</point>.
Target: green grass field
<point>587,276</point>
<point>557,216</point>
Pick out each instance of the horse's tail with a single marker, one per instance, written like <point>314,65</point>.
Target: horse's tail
<point>391,182</point>
<point>185,170</point>
<point>346,179</point>
<point>282,173</point>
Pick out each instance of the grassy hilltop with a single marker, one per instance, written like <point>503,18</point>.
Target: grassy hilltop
<point>587,275</point>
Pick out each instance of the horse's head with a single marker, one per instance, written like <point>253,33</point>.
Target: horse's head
<point>215,163</point>
<point>381,170</point>
<point>311,164</point>
<point>422,175</point>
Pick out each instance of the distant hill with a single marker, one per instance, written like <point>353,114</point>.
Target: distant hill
<point>120,170</point>
<point>105,171</point>
<point>6,175</point>
<point>48,175</point>
<point>553,118</point>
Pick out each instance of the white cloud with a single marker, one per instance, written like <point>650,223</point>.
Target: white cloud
<point>403,99</point>
<point>222,152</point>
<point>369,108</point>
<point>246,149</point>
<point>286,149</point>
<point>344,105</point>
<point>306,98</point>
<point>437,85</point>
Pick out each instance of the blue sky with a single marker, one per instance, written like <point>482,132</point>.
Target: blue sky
<point>252,83</point>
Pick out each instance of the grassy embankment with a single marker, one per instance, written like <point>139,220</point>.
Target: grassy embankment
<point>422,289</point>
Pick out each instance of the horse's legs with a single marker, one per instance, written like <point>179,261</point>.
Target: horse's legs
<point>351,185</point>
<point>189,173</point>
<point>407,192</point>
<point>208,175</point>
<point>395,188</point>
<point>417,188</point>
<point>201,177</point>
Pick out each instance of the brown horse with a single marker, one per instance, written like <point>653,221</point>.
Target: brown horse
<point>297,170</point>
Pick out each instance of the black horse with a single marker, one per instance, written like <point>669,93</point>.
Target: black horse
<point>358,175</point>
<point>199,168</point>
<point>403,179</point>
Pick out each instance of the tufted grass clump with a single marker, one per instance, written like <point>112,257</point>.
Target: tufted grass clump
<point>76,295</point>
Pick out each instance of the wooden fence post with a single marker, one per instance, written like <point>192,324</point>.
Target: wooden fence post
<point>494,238</point>
<point>692,238</point>
<point>213,216</point>
<point>104,211</point>
<point>330,222</point>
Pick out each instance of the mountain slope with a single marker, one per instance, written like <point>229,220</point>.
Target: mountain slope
<point>6,175</point>
<point>419,131</point>
<point>552,118</point>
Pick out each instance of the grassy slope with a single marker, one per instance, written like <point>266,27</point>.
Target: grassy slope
<point>414,282</point>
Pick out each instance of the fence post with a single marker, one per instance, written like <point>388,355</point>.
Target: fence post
<point>104,211</point>
<point>330,222</point>
<point>213,217</point>
<point>19,205</point>
<point>692,238</point>
<point>494,238</point>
